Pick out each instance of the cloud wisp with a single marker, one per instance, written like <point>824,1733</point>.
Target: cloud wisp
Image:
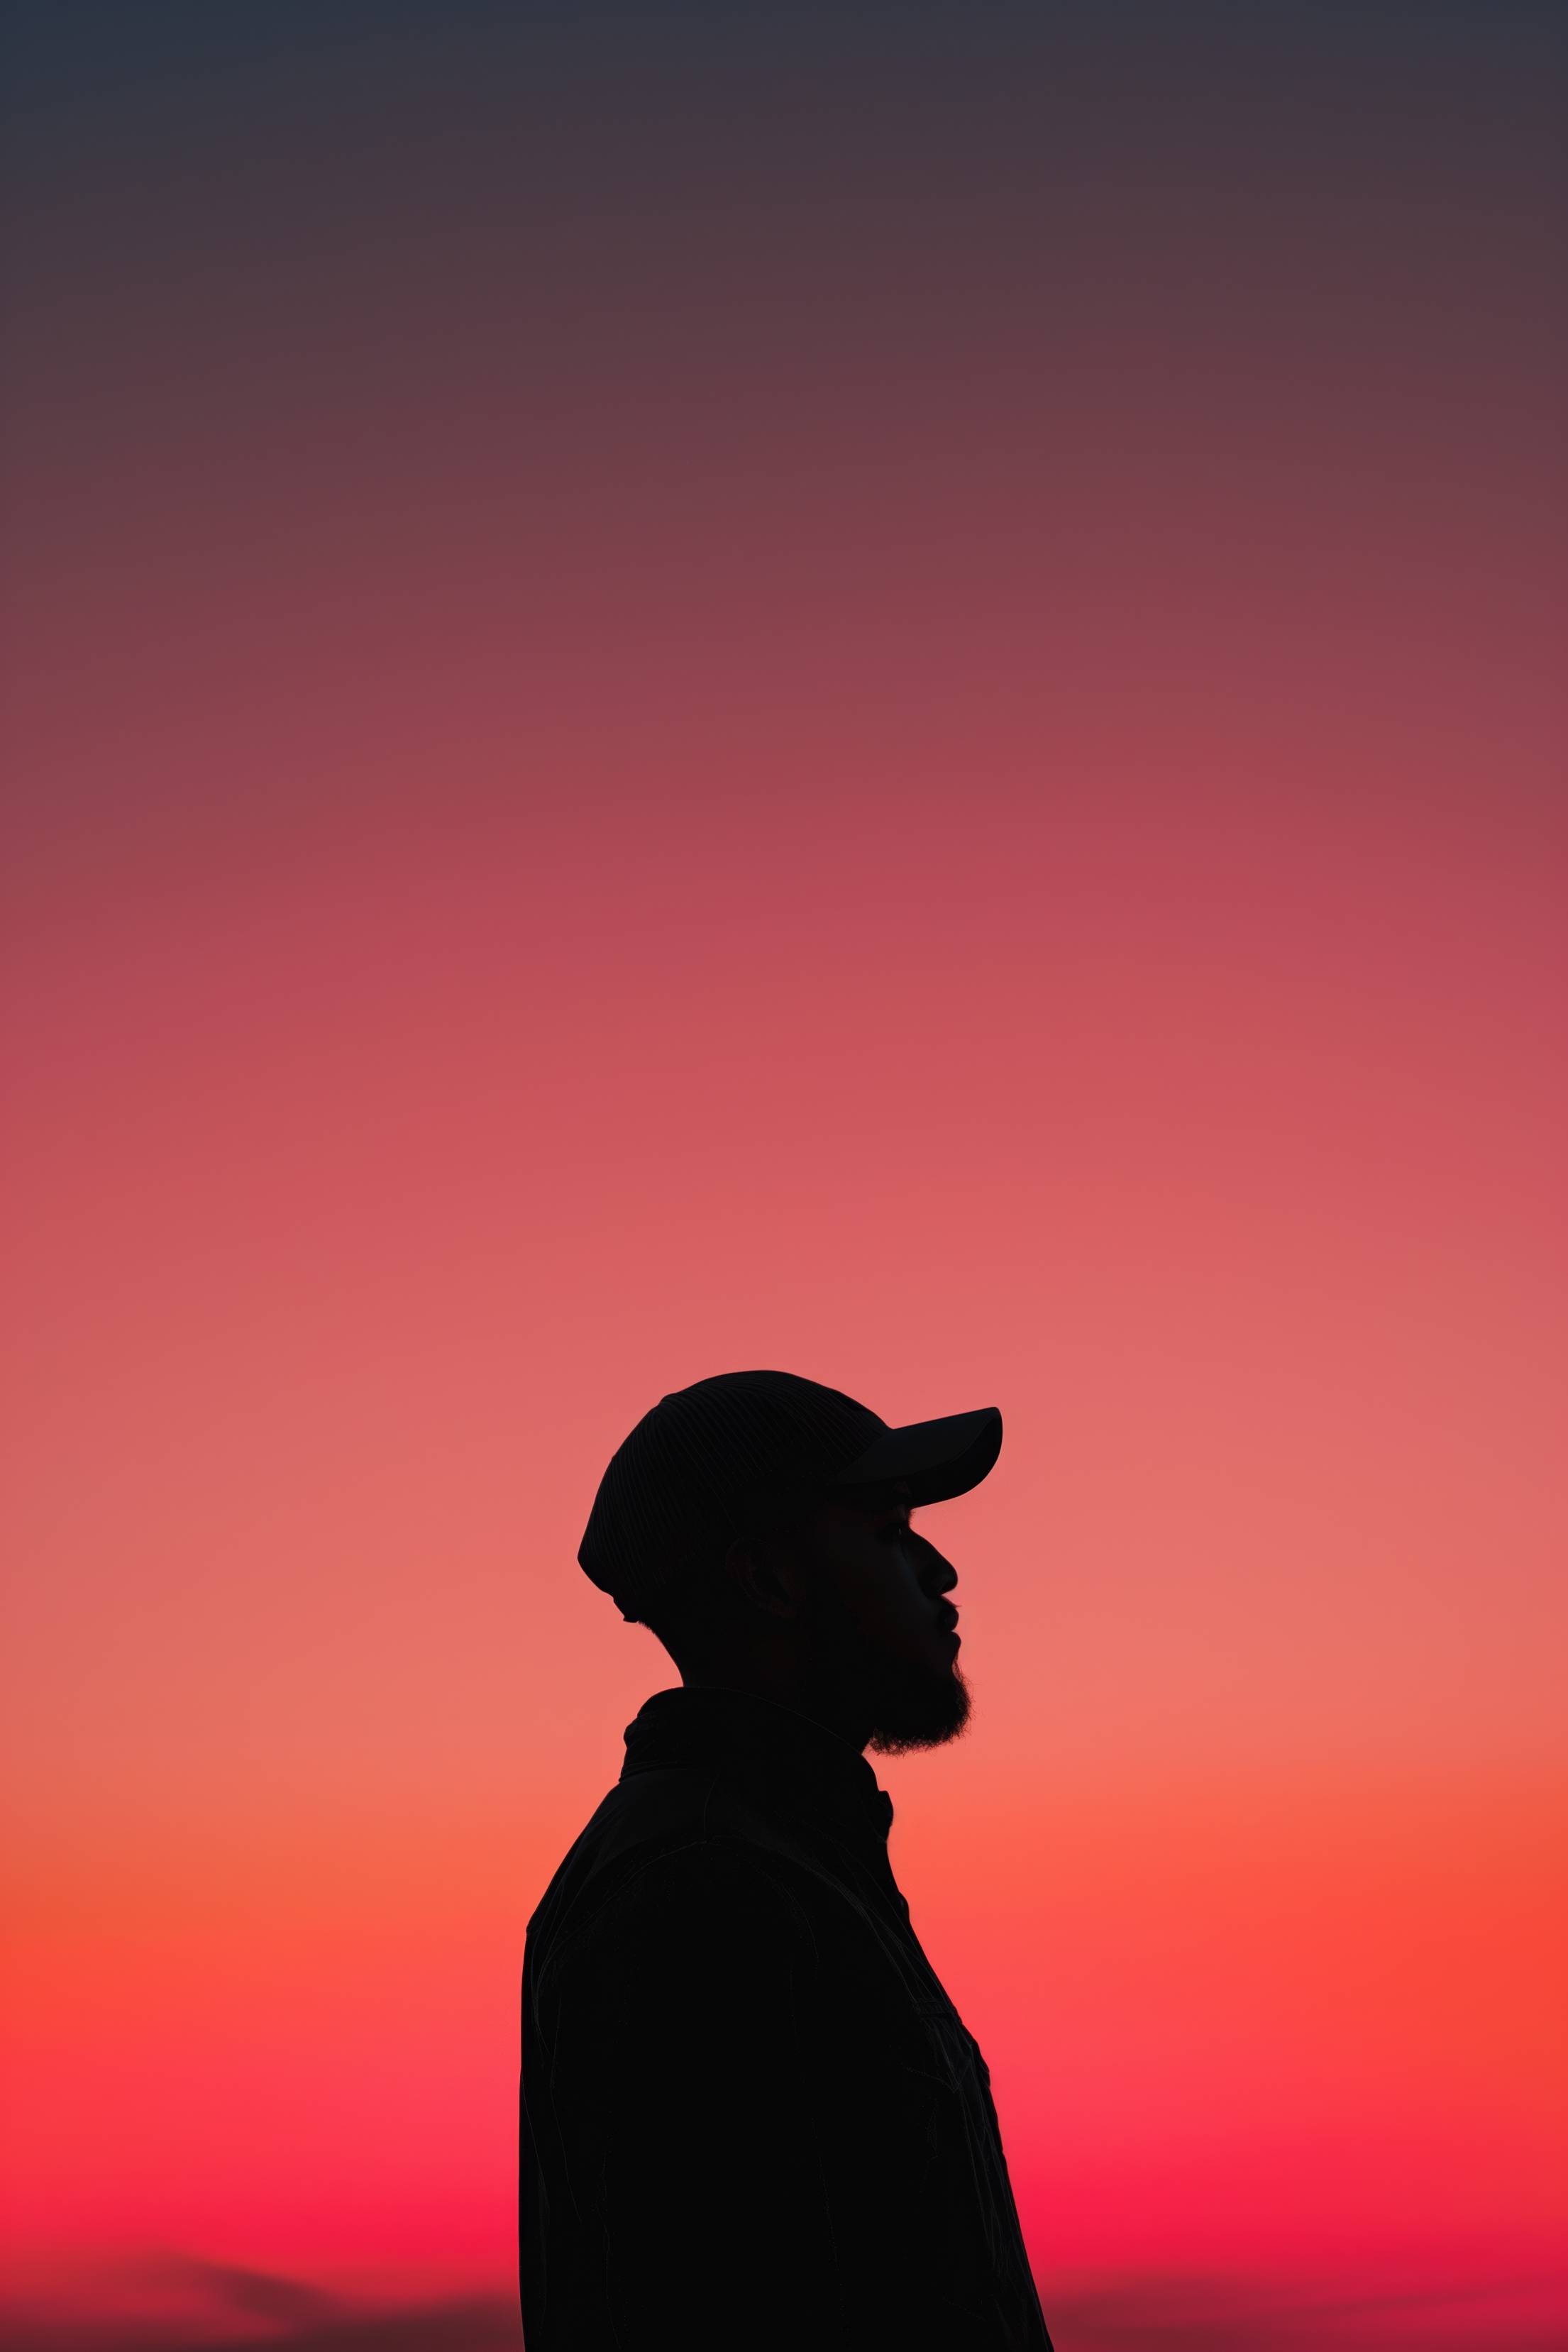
<point>181,2303</point>
<point>1150,2311</point>
<point>185,2304</point>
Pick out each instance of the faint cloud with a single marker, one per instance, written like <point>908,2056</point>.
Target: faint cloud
<point>1150,2312</point>
<point>230,2289</point>
<point>178,2303</point>
<point>181,2303</point>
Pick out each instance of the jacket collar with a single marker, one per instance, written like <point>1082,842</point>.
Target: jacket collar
<point>784,1758</point>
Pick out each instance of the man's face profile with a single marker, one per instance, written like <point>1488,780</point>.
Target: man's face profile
<point>867,1621</point>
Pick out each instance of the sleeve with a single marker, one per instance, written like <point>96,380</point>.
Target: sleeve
<point>688,2029</point>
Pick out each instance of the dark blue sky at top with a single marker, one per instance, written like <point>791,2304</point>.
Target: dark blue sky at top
<point>702,101</point>
<point>56,51</point>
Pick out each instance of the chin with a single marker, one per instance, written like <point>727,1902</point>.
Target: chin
<point>923,1714</point>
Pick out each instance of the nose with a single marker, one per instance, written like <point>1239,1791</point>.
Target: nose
<point>936,1574</point>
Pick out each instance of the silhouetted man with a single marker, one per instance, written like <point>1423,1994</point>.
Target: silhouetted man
<point>752,2117</point>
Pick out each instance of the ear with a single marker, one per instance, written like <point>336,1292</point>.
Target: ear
<point>763,1576</point>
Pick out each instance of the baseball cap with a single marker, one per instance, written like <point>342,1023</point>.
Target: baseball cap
<point>709,1459</point>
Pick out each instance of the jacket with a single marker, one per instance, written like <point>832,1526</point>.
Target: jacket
<point>750,2117</point>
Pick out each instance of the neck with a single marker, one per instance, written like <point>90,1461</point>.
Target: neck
<point>775,1679</point>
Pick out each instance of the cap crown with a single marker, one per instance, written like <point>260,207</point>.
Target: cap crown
<point>680,1484</point>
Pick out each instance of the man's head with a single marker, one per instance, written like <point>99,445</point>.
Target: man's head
<point>840,1609</point>
<point>760,1525</point>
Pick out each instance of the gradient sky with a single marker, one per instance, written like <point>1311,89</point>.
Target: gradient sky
<point>871,689</point>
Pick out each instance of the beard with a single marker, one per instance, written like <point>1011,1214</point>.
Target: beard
<point>910,1701</point>
<point>915,1708</point>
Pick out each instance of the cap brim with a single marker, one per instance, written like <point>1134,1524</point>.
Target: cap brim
<point>930,1461</point>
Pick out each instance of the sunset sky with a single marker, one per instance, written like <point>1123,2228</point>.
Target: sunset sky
<point>875,689</point>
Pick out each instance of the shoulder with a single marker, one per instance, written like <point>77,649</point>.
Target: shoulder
<point>650,1830</point>
<point>677,1876</point>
